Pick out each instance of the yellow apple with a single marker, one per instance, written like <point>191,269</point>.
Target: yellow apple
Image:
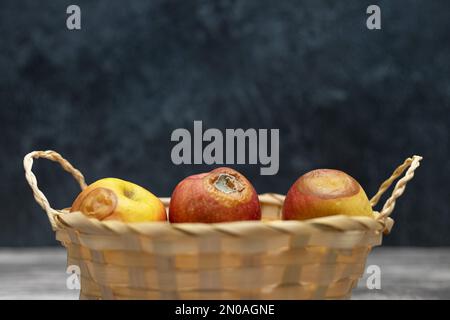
<point>116,199</point>
<point>325,192</point>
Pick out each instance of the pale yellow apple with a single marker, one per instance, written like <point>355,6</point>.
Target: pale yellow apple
<point>116,199</point>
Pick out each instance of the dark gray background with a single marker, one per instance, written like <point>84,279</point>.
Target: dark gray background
<point>108,97</point>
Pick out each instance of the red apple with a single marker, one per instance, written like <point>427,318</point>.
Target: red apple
<point>221,195</point>
<point>325,192</point>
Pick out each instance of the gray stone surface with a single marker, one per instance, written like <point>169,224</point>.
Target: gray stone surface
<point>108,97</point>
<point>406,273</point>
<point>34,274</point>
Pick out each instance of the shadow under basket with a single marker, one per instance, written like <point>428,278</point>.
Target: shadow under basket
<point>319,258</point>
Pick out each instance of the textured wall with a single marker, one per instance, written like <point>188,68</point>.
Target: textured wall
<point>108,97</point>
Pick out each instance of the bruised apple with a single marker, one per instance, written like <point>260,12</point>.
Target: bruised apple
<point>116,199</point>
<point>221,195</point>
<point>325,192</point>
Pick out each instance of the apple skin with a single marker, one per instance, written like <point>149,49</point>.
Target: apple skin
<point>325,192</point>
<point>222,195</point>
<point>116,199</point>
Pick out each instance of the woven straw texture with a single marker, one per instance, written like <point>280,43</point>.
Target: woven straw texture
<point>319,258</point>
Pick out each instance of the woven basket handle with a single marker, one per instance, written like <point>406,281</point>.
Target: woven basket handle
<point>31,178</point>
<point>411,164</point>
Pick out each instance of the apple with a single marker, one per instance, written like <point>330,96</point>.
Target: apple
<point>221,195</point>
<point>325,192</point>
<point>116,199</point>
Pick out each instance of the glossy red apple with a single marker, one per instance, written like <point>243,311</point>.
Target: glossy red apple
<point>221,195</point>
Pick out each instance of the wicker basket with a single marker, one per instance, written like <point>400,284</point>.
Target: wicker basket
<point>271,259</point>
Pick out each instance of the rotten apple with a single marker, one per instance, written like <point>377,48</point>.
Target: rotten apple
<point>325,192</point>
<point>221,195</point>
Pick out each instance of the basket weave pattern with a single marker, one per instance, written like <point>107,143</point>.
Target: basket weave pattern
<point>319,258</point>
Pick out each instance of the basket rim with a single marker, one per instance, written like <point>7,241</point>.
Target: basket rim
<point>335,223</point>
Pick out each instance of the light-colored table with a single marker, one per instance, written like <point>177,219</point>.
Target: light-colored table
<point>406,273</point>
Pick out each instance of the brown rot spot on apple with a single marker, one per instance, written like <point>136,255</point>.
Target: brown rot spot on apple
<point>128,193</point>
<point>227,183</point>
<point>328,184</point>
<point>99,203</point>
